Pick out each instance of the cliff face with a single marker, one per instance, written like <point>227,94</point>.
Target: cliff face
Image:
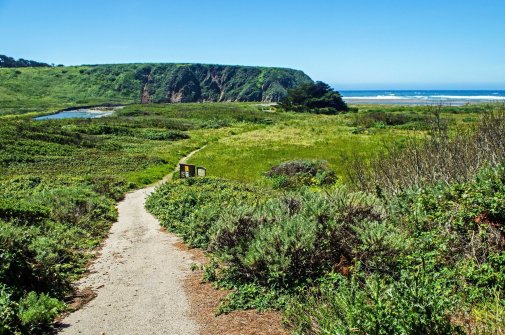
<point>196,82</point>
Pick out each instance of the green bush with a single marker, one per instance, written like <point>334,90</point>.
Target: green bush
<point>413,304</point>
<point>163,135</point>
<point>188,206</point>
<point>380,119</point>
<point>36,312</point>
<point>411,264</point>
<point>19,210</point>
<point>290,240</point>
<point>297,173</point>
<point>46,229</point>
<point>7,312</point>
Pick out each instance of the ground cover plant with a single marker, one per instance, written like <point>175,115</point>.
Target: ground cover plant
<point>340,258</point>
<point>296,173</point>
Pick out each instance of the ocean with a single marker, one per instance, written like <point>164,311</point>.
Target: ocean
<point>422,97</point>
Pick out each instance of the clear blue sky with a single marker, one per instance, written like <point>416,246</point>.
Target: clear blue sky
<point>351,44</point>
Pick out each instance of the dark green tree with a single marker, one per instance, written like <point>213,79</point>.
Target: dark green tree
<point>315,97</point>
<point>11,62</point>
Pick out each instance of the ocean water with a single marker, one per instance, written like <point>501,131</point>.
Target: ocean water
<point>451,97</point>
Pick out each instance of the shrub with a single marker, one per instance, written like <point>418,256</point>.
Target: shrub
<point>19,210</point>
<point>163,135</point>
<point>30,262</point>
<point>191,206</point>
<point>414,304</point>
<point>109,186</point>
<point>469,216</point>
<point>36,312</point>
<point>292,174</point>
<point>46,227</point>
<point>7,312</point>
<point>290,240</point>
<point>439,158</point>
<point>380,118</point>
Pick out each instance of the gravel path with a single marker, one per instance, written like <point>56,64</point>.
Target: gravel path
<point>138,279</point>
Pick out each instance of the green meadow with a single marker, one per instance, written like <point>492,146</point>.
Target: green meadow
<point>333,138</point>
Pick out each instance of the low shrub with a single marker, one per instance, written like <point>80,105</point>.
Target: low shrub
<point>46,229</point>
<point>7,311</point>
<point>290,240</point>
<point>36,312</point>
<point>292,174</point>
<point>413,304</point>
<point>163,135</point>
<point>373,118</point>
<point>439,158</point>
<point>412,264</point>
<point>109,186</point>
<point>188,206</point>
<point>18,210</point>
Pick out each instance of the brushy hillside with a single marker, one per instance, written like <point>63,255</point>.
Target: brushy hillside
<point>37,89</point>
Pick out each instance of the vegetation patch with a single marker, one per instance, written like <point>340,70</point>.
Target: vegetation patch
<point>298,173</point>
<point>421,258</point>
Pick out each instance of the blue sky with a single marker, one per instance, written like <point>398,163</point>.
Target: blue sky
<point>352,44</point>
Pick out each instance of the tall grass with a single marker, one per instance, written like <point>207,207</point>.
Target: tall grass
<point>439,158</point>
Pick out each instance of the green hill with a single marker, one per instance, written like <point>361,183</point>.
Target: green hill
<point>45,88</point>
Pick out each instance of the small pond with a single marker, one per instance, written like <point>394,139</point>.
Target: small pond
<point>83,113</point>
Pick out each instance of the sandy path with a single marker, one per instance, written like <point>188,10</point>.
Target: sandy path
<point>138,279</point>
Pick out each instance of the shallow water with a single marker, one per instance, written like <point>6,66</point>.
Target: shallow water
<point>83,113</point>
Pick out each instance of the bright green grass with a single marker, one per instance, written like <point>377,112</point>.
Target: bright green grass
<point>247,156</point>
<point>245,153</point>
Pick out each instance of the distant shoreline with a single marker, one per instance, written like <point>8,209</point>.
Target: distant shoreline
<point>417,102</point>
<point>422,97</point>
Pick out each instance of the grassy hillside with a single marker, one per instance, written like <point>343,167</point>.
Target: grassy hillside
<point>25,90</point>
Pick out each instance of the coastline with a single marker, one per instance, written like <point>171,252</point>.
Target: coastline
<point>417,102</point>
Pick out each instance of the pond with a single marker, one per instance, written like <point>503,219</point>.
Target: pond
<point>82,113</point>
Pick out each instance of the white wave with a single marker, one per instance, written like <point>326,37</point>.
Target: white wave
<point>468,97</point>
<point>431,97</point>
<point>378,97</point>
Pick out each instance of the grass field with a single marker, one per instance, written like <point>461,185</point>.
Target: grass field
<point>247,156</point>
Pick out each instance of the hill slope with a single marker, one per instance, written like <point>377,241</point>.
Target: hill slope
<point>36,89</point>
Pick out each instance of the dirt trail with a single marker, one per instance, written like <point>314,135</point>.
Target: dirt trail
<point>138,279</point>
